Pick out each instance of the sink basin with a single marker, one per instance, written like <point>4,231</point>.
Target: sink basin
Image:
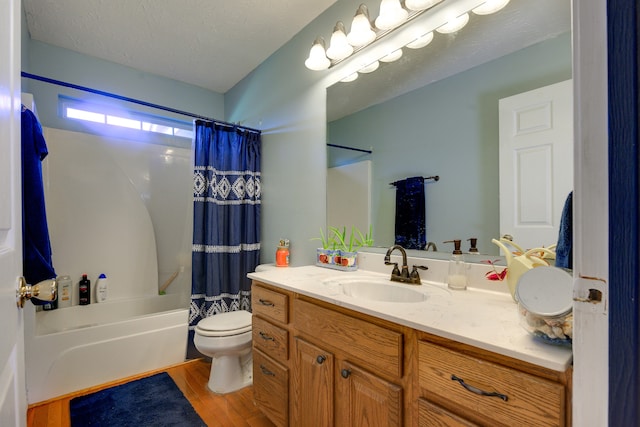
<point>379,290</point>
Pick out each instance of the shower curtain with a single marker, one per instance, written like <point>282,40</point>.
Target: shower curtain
<point>226,226</point>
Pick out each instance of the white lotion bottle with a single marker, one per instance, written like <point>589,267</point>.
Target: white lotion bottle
<point>457,277</point>
<point>101,288</point>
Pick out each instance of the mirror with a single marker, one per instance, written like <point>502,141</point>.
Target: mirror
<point>435,112</point>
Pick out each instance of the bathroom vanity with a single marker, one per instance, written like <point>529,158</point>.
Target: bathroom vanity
<point>322,357</point>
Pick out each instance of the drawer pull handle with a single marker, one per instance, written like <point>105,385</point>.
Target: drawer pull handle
<point>266,302</point>
<point>266,337</point>
<point>345,373</point>
<point>266,371</point>
<point>320,359</point>
<point>478,391</point>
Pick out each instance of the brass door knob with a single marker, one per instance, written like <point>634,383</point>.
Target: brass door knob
<point>41,293</point>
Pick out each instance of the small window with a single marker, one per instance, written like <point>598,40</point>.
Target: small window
<point>96,113</point>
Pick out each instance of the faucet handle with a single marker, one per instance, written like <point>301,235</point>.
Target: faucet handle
<point>396,270</point>
<point>415,276</point>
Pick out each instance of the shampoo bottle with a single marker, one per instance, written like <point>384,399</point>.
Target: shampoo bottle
<point>457,276</point>
<point>84,291</point>
<point>64,291</point>
<point>101,288</point>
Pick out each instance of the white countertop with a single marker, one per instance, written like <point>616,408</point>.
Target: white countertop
<point>481,318</point>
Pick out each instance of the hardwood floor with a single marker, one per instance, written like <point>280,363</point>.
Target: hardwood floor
<point>229,410</point>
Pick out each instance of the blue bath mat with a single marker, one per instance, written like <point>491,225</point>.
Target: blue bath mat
<point>151,401</point>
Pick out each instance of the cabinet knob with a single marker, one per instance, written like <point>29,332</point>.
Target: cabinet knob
<point>320,359</point>
<point>345,373</point>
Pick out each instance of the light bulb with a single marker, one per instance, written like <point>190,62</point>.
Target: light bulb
<point>490,6</point>
<point>339,47</point>
<point>393,56</point>
<point>317,59</point>
<point>420,4</point>
<point>361,33</point>
<point>421,41</point>
<point>455,24</point>
<point>369,68</point>
<point>391,15</point>
<point>351,77</point>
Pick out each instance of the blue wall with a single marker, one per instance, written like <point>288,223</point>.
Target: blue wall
<point>68,66</point>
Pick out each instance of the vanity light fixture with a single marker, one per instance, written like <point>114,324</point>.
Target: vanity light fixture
<point>454,24</point>
<point>420,4</point>
<point>370,68</point>
<point>391,15</point>
<point>317,59</point>
<point>361,33</point>
<point>411,24</point>
<point>339,47</point>
<point>351,77</point>
<point>393,56</point>
<point>490,6</point>
<point>421,41</point>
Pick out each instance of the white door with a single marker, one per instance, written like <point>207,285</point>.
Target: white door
<point>13,400</point>
<point>536,163</point>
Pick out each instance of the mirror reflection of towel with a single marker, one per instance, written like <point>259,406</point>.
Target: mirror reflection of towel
<point>410,213</point>
<point>564,248</point>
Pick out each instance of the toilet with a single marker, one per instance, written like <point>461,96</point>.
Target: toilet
<point>226,338</point>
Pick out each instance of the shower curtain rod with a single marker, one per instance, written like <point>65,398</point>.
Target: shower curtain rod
<point>133,100</point>
<point>349,148</point>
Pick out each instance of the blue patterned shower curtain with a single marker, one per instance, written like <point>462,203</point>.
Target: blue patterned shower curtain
<point>226,226</point>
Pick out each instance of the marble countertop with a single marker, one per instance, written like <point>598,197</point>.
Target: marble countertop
<point>481,318</point>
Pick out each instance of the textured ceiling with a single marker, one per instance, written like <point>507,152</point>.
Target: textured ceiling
<point>208,43</point>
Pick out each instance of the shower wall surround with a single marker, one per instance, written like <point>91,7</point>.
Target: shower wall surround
<point>119,207</point>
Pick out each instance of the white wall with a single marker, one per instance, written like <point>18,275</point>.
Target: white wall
<point>118,207</point>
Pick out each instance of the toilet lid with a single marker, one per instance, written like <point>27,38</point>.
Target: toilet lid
<point>230,323</point>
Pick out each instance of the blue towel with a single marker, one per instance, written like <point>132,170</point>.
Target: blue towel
<point>410,213</point>
<point>564,248</point>
<point>36,247</point>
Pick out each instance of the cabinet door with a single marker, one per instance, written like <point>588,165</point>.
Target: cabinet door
<point>313,389</point>
<point>363,399</point>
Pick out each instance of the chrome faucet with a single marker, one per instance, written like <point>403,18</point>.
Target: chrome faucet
<point>432,246</point>
<point>403,276</point>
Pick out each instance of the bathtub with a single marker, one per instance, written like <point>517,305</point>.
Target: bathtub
<point>77,347</point>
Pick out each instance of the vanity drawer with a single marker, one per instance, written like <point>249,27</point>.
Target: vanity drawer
<point>373,346</point>
<point>271,304</point>
<point>530,401</point>
<point>270,338</point>
<point>271,388</point>
<point>430,415</point>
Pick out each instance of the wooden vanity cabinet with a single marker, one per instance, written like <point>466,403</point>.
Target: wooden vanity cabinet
<point>317,364</point>
<point>270,341</point>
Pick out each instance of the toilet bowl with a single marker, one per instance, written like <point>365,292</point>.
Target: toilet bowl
<point>226,338</point>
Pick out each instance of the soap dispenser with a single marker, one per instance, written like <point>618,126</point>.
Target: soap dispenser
<point>457,276</point>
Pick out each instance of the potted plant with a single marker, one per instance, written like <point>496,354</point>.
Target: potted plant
<point>339,250</point>
<point>325,254</point>
<point>348,247</point>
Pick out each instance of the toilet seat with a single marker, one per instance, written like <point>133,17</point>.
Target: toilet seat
<point>225,324</point>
